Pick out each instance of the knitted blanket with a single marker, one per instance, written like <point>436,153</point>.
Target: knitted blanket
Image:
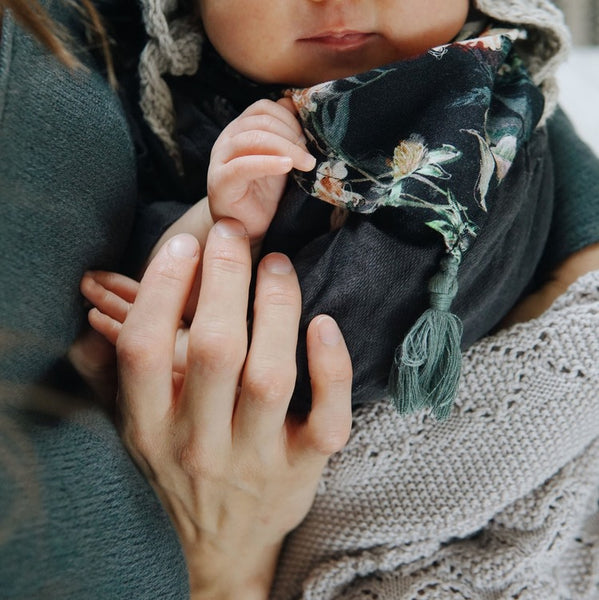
<point>499,502</point>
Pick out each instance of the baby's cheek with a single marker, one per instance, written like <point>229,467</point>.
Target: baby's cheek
<point>424,25</point>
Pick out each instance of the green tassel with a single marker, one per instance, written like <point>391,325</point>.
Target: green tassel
<point>426,368</point>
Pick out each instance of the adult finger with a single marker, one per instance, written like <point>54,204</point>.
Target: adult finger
<point>217,343</point>
<point>270,369</point>
<point>328,424</point>
<point>146,343</point>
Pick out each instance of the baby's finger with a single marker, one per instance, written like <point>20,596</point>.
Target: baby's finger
<point>287,104</point>
<point>146,343</point>
<point>270,370</point>
<point>289,129</point>
<point>278,109</point>
<point>105,325</point>
<point>256,142</point>
<point>115,304</point>
<point>328,424</point>
<point>119,284</point>
<point>233,179</point>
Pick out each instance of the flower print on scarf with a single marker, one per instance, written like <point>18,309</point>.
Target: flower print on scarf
<point>409,136</point>
<point>412,156</point>
<point>330,185</point>
<point>413,160</point>
<point>306,99</point>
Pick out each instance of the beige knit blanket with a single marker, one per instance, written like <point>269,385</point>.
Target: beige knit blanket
<point>499,502</point>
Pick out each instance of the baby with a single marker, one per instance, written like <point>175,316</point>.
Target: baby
<point>439,126</point>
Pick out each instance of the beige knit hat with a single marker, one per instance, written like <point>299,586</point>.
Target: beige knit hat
<point>548,42</point>
<point>174,48</point>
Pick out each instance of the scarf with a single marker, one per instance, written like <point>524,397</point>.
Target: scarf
<point>431,137</point>
<point>433,174</point>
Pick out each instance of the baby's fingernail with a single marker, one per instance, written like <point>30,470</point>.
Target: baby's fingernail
<point>183,246</point>
<point>230,229</point>
<point>328,331</point>
<point>309,162</point>
<point>278,264</point>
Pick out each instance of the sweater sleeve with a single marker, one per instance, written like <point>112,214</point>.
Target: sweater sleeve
<point>576,212</point>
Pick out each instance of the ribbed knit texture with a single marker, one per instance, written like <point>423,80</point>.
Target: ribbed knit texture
<point>67,194</point>
<point>497,503</point>
<point>77,519</point>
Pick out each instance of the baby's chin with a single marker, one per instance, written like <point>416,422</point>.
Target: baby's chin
<point>315,76</point>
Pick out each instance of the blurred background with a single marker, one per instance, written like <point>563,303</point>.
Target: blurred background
<point>578,77</point>
<point>583,19</point>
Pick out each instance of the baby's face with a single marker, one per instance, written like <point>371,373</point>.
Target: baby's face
<point>304,42</point>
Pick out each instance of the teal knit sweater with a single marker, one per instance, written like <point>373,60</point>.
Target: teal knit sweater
<point>77,520</point>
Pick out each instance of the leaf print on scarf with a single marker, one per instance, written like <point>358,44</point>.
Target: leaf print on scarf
<point>487,168</point>
<point>412,160</point>
<point>455,227</point>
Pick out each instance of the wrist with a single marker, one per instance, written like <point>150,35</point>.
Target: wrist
<point>246,576</point>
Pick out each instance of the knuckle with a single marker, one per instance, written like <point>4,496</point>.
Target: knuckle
<point>138,441</point>
<point>339,375</point>
<point>137,352</point>
<point>266,122</point>
<point>195,460</point>
<point>270,385</point>
<point>280,295</point>
<point>170,273</point>
<point>217,350</point>
<point>227,260</point>
<point>254,138</point>
<point>331,440</point>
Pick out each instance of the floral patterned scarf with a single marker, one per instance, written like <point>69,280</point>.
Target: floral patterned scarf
<point>433,137</point>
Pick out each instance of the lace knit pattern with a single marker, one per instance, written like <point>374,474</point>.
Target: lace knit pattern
<point>499,502</point>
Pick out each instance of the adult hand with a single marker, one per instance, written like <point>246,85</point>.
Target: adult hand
<point>233,470</point>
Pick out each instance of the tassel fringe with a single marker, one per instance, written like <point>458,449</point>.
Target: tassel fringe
<point>426,368</point>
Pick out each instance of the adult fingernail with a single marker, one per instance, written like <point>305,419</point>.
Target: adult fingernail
<point>183,246</point>
<point>230,229</point>
<point>278,264</point>
<point>328,332</point>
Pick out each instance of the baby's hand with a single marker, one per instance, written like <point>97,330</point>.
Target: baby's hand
<point>250,161</point>
<point>112,295</point>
